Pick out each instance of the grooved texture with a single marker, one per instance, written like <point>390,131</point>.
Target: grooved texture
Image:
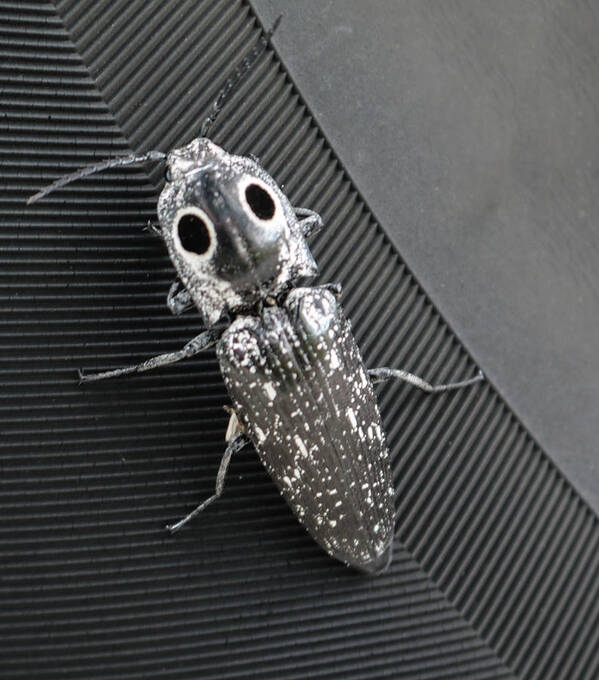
<point>499,569</point>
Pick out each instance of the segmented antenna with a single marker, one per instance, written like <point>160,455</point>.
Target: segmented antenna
<point>241,70</point>
<point>118,162</point>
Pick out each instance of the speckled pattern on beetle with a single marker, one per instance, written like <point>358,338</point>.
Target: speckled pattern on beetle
<point>292,368</point>
<point>299,388</point>
<point>298,385</point>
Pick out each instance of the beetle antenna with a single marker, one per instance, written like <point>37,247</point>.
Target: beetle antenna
<point>241,70</point>
<point>118,162</point>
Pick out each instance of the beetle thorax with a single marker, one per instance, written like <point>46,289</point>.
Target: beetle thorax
<point>230,231</point>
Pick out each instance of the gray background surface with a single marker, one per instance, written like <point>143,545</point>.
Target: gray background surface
<point>472,130</point>
<point>496,566</point>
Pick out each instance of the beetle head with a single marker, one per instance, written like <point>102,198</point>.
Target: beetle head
<point>230,231</point>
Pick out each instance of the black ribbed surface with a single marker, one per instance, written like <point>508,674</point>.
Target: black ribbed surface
<point>500,568</point>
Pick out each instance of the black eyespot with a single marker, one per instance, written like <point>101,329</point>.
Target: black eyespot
<point>167,174</point>
<point>260,201</point>
<point>194,233</point>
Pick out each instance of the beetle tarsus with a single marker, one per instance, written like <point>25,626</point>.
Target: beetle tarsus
<point>178,301</point>
<point>383,374</point>
<point>335,288</point>
<point>154,229</point>
<point>236,444</point>
<point>311,222</point>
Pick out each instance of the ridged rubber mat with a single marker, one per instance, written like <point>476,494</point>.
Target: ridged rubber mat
<point>498,573</point>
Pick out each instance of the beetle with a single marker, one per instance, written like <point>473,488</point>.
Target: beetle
<point>299,389</point>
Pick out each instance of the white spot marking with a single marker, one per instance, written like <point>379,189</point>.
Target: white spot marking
<point>300,445</point>
<point>269,390</point>
<point>335,363</point>
<point>352,417</point>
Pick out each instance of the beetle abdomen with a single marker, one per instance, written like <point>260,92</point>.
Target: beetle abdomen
<point>301,391</point>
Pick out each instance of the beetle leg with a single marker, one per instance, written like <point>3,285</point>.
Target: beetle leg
<point>178,301</point>
<point>334,288</point>
<point>382,374</point>
<point>153,229</point>
<point>197,344</point>
<point>311,223</point>
<point>236,444</point>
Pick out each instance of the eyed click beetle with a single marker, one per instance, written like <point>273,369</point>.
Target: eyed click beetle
<point>299,390</point>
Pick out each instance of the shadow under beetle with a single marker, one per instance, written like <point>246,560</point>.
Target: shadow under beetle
<point>298,385</point>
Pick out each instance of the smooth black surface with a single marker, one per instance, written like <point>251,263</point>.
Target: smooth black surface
<point>496,566</point>
<point>472,129</point>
